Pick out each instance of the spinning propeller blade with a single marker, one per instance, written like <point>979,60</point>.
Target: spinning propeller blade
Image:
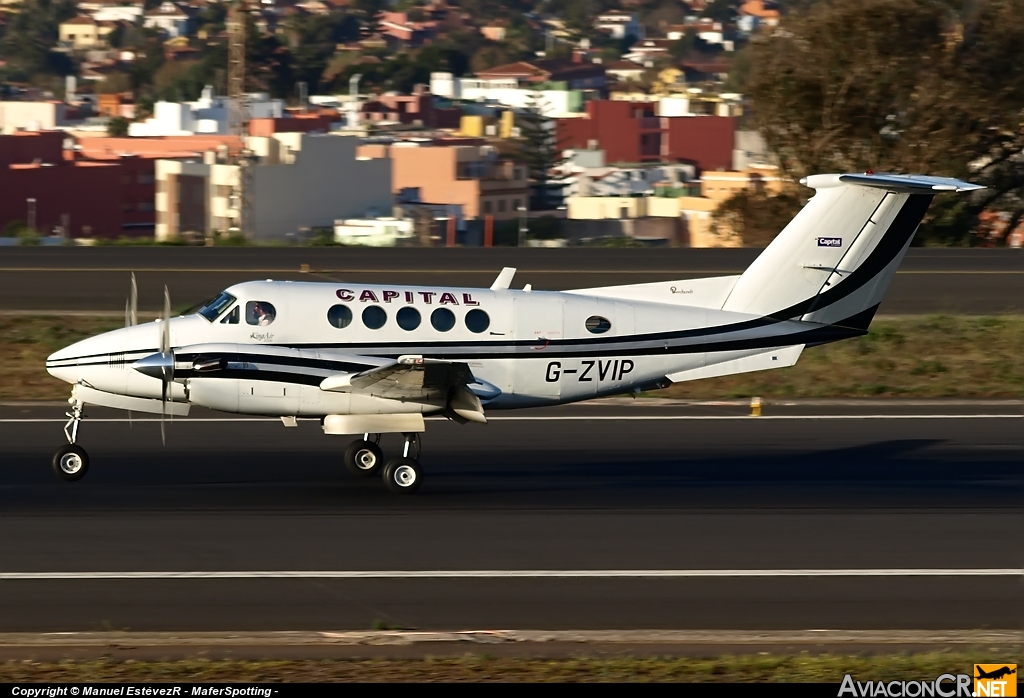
<point>134,302</point>
<point>168,373</point>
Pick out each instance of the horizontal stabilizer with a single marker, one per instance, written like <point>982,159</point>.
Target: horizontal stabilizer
<point>727,363</point>
<point>909,184</point>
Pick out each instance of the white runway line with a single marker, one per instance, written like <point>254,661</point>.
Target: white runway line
<point>516,574</point>
<point>568,418</point>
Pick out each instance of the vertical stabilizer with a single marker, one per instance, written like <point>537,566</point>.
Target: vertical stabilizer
<point>834,261</point>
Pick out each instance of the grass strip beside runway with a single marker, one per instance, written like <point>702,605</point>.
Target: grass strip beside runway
<point>762,667</point>
<point>918,357</point>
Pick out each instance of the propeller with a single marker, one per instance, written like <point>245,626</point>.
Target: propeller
<point>161,365</point>
<point>131,317</point>
<point>168,356</point>
<point>131,305</point>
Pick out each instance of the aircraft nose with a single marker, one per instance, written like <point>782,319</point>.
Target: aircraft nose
<point>86,359</point>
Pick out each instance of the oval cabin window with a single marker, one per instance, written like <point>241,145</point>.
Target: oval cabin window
<point>598,325</point>
<point>339,316</point>
<point>477,321</point>
<point>259,313</point>
<point>374,317</point>
<point>442,319</point>
<point>408,319</point>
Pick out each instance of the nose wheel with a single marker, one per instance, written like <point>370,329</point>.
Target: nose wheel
<point>71,462</point>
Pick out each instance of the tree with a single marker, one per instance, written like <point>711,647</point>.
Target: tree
<point>683,46</point>
<point>919,86</point>
<point>754,216</point>
<point>118,127</point>
<point>720,11</point>
<point>541,151</point>
<point>32,33</point>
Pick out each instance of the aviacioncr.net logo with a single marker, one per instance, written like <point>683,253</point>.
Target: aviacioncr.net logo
<point>945,686</point>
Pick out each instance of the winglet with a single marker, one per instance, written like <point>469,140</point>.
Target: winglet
<point>504,279</point>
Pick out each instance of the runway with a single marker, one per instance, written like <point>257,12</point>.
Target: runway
<point>977,281</point>
<point>621,515</point>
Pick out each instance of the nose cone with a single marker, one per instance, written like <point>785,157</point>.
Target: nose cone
<point>82,360</point>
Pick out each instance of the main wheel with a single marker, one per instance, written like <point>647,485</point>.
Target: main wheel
<point>403,475</point>
<point>71,463</point>
<point>364,458</point>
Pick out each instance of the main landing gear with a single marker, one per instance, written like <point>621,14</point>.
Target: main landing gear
<point>71,462</point>
<point>402,475</point>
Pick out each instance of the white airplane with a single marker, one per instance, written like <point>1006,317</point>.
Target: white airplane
<point>375,359</point>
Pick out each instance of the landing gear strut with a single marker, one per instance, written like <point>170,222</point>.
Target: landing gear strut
<point>404,475</point>
<point>71,462</point>
<point>363,457</point>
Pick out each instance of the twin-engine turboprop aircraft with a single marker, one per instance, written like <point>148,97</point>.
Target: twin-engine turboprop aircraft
<point>374,359</point>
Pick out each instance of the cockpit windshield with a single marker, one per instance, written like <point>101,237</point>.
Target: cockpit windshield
<point>218,305</point>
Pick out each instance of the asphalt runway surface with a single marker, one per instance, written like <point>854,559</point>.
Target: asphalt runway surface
<point>976,281</point>
<point>618,515</point>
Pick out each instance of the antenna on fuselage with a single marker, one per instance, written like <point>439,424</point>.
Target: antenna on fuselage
<point>504,280</point>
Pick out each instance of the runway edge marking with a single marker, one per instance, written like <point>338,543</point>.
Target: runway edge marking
<point>513,574</point>
<point>574,418</point>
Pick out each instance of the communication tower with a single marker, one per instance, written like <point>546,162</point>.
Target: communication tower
<point>239,112</point>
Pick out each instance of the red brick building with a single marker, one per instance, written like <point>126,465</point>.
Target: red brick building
<point>632,132</point>
<point>39,183</point>
<point>103,187</point>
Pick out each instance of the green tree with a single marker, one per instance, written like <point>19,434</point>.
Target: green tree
<point>723,11</point>
<point>118,127</point>
<point>754,216</point>
<point>685,45</point>
<point>919,86</point>
<point>541,151</point>
<point>32,33</point>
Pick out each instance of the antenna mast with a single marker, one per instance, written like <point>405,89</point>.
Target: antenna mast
<point>239,112</point>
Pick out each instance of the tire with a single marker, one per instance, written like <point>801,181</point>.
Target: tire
<point>71,463</point>
<point>364,458</point>
<point>403,475</point>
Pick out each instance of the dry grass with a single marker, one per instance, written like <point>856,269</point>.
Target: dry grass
<point>804,667</point>
<point>929,357</point>
<point>26,341</point>
<point>926,357</point>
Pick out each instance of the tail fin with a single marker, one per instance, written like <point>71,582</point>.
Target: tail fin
<point>833,263</point>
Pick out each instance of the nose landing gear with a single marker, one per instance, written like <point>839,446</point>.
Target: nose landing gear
<point>71,462</point>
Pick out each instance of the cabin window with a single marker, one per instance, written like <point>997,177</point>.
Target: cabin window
<point>408,319</point>
<point>218,305</point>
<point>477,321</point>
<point>339,316</point>
<point>374,317</point>
<point>259,313</point>
<point>232,317</point>
<point>597,324</point>
<point>442,319</point>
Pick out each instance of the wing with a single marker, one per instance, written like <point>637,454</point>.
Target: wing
<point>410,378</point>
<point>416,378</point>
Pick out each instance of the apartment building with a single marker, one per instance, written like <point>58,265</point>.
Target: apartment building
<point>471,176</point>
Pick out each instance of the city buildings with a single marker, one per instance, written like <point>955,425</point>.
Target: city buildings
<point>472,176</point>
<point>208,114</point>
<point>632,132</point>
<point>300,182</point>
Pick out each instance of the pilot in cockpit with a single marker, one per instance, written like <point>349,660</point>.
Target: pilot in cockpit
<point>262,316</point>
